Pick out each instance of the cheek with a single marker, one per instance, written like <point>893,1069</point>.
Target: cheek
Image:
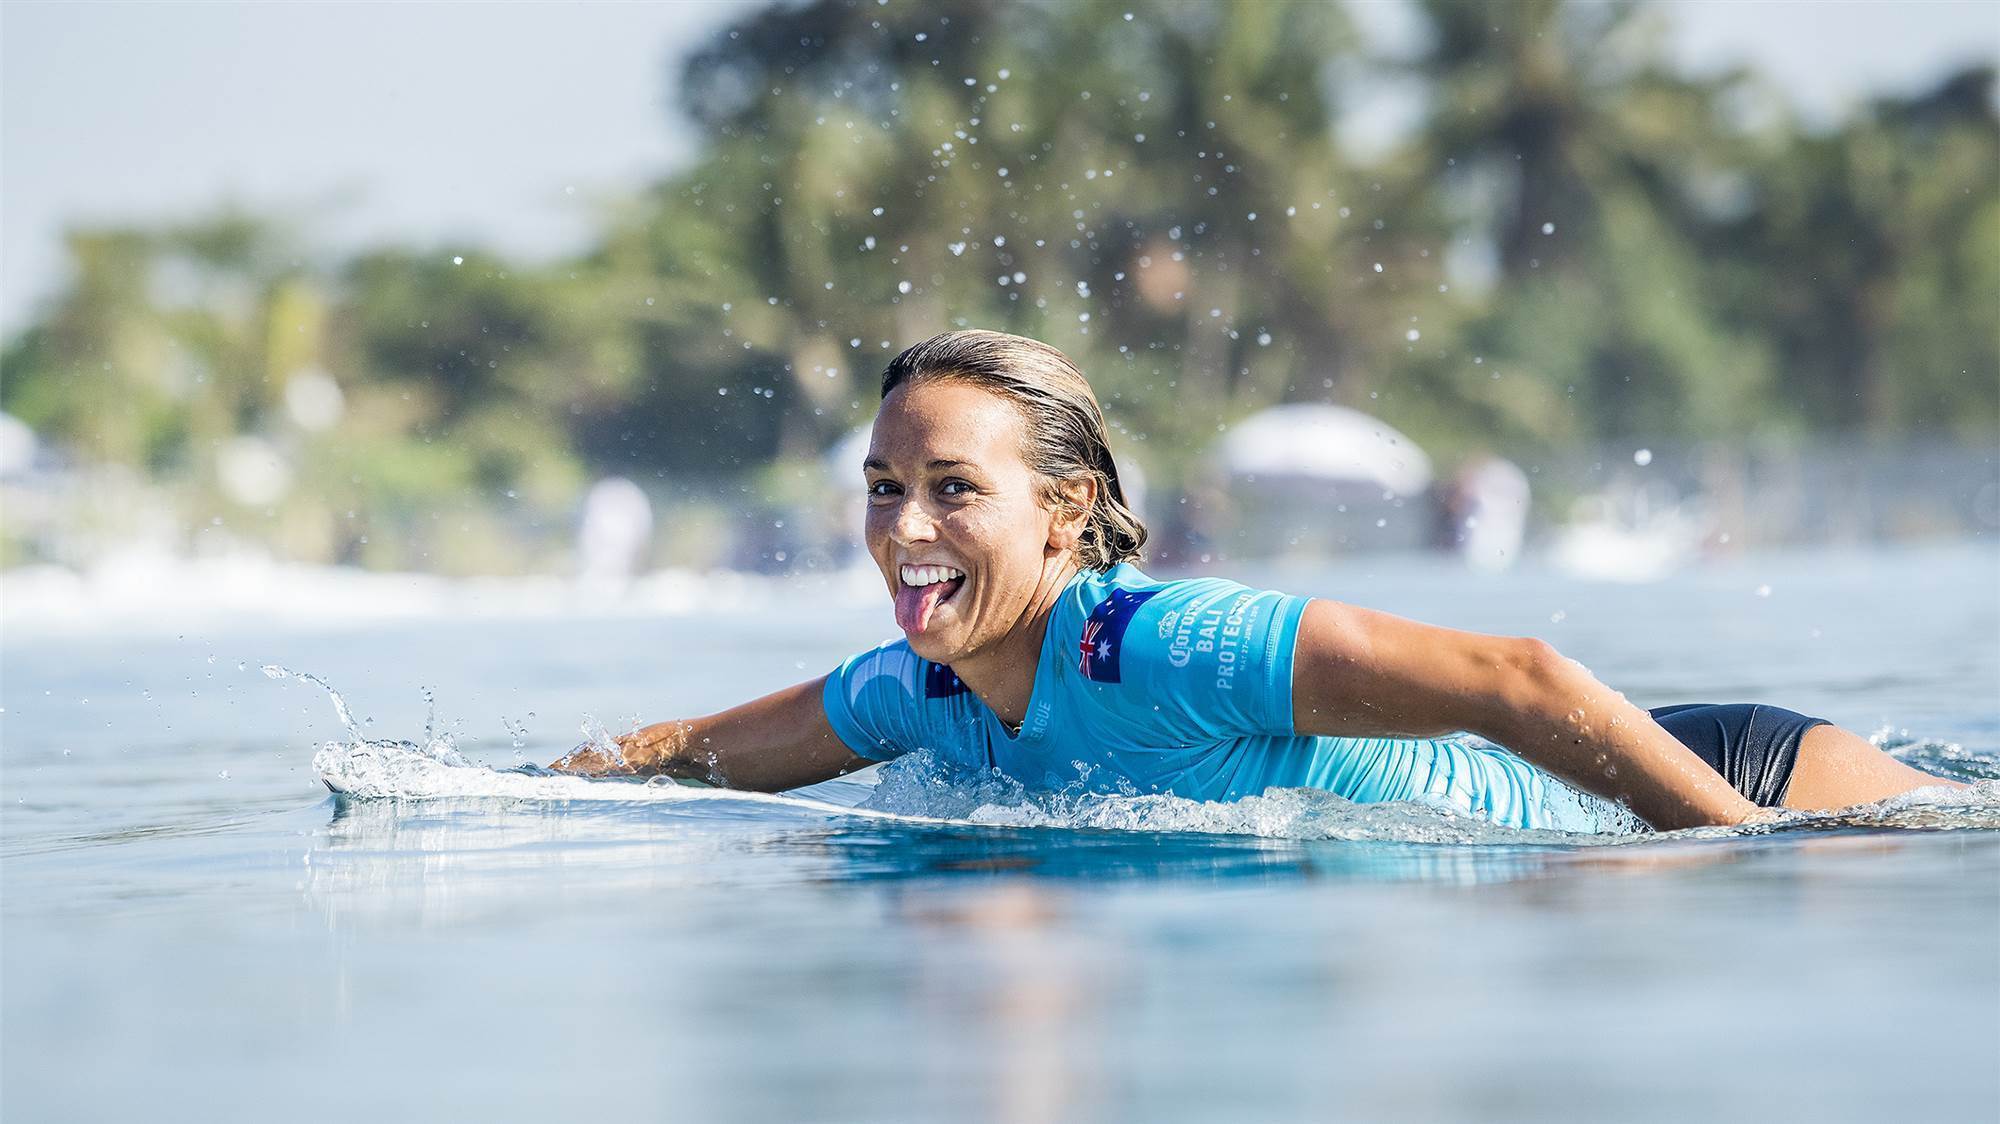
<point>1004,540</point>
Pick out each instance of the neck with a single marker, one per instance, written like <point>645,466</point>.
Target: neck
<point>1003,675</point>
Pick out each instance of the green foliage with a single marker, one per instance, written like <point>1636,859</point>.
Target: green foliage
<point>1574,242</point>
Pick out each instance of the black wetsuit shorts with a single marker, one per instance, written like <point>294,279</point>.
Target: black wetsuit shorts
<point>1753,746</point>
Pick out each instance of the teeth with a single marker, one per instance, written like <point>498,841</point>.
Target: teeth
<point>929,575</point>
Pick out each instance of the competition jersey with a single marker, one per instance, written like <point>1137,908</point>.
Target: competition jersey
<point>1181,687</point>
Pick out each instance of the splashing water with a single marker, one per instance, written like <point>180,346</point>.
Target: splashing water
<point>918,788</point>
<point>600,739</point>
<point>373,761</point>
<point>1946,759</point>
<point>918,784</point>
<point>392,769</point>
<point>273,671</point>
<point>518,731</point>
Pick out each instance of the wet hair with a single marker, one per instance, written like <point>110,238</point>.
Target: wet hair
<point>1065,440</point>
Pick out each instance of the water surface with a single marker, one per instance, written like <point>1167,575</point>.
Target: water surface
<point>194,926</point>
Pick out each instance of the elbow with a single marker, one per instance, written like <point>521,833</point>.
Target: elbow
<point>1535,679</point>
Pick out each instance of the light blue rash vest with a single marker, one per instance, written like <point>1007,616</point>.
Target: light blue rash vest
<point>1181,687</point>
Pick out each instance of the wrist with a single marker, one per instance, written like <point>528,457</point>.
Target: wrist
<point>656,748</point>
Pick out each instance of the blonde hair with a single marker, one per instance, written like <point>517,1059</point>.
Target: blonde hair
<point>1066,432</point>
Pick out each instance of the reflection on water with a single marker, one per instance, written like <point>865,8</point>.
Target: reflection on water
<point>441,856</point>
<point>448,860</point>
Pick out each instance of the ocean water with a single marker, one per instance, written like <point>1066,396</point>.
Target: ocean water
<point>192,927</point>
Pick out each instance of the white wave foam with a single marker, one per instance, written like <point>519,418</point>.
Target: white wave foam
<point>914,789</point>
<point>917,788</point>
<point>399,770</point>
<point>917,784</point>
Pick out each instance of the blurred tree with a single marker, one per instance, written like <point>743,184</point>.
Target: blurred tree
<point>1870,255</point>
<point>1572,242</point>
<point>1579,163</point>
<point>1154,188</point>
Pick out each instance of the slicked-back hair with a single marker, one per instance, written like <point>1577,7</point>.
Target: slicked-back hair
<point>1065,428</point>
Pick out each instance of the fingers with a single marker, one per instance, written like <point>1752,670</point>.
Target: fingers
<point>590,761</point>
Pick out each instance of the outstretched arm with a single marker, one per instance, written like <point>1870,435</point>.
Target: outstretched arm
<point>780,741</point>
<point>1359,673</point>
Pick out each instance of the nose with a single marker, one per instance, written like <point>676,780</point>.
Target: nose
<point>912,524</point>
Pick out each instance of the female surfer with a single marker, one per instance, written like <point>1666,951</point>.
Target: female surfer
<point>1032,645</point>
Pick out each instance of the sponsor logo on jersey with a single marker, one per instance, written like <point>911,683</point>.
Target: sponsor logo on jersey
<point>1104,634</point>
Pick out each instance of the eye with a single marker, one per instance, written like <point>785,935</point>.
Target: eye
<point>883,488</point>
<point>956,488</point>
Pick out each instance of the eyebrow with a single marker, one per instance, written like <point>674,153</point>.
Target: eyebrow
<point>883,466</point>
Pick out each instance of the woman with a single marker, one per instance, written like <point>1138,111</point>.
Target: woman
<point>1032,645</point>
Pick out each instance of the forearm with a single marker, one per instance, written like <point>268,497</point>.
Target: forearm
<point>719,750</point>
<point>1559,717</point>
<point>780,741</point>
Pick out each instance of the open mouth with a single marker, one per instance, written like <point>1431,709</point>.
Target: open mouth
<point>919,592</point>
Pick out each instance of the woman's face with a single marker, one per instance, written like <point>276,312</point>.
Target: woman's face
<point>957,521</point>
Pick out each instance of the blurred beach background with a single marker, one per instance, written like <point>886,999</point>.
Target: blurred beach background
<point>297,296</point>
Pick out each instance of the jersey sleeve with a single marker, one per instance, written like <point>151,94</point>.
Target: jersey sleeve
<point>873,700</point>
<point>1209,658</point>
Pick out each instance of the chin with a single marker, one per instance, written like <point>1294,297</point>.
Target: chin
<point>928,645</point>
<point>944,645</point>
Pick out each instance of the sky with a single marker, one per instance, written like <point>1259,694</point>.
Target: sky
<point>508,126</point>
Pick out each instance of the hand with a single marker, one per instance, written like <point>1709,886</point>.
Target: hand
<point>1766,817</point>
<point>591,760</point>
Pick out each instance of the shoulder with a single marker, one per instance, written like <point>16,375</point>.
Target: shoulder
<point>1122,618</point>
<point>889,700</point>
<point>891,672</point>
<point>1207,656</point>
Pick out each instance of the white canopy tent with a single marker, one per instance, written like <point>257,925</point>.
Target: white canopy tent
<point>1314,441</point>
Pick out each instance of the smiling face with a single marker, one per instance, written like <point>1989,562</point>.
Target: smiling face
<point>959,524</point>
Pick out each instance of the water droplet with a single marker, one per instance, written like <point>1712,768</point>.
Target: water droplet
<point>1378,267</point>
<point>1548,228</point>
<point>456,260</point>
<point>1642,457</point>
<point>1558,617</point>
<point>1413,335</point>
<point>1764,591</point>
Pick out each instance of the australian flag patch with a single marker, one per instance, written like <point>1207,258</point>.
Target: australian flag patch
<point>940,681</point>
<point>1104,634</point>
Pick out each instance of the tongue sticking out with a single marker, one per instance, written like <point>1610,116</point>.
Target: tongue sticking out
<point>915,603</point>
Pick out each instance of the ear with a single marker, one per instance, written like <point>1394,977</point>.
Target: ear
<point>1074,499</point>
